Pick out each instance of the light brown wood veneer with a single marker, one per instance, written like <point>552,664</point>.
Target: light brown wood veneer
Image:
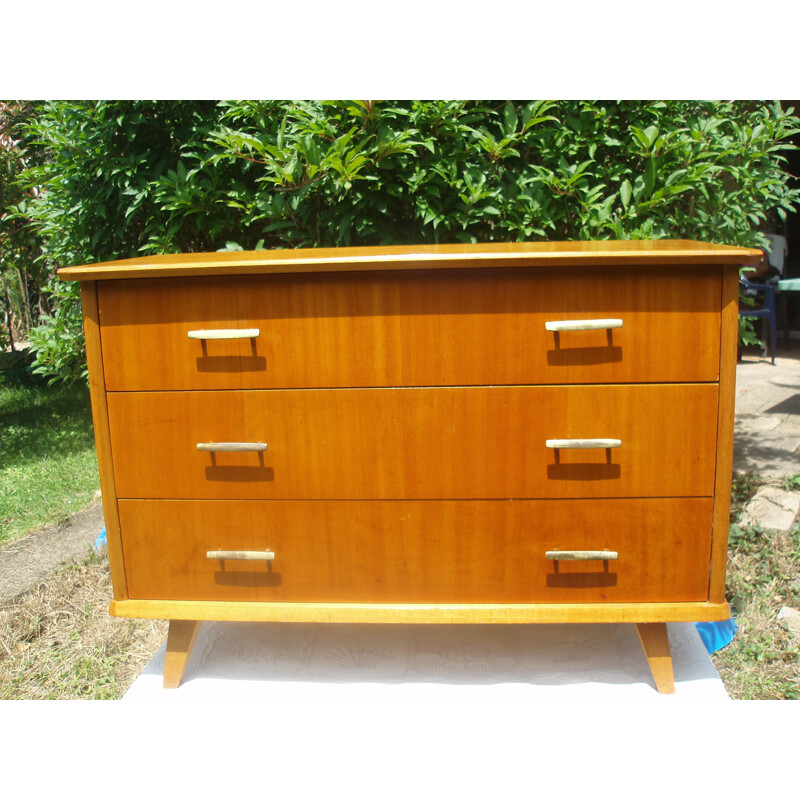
<point>367,329</point>
<point>473,442</point>
<point>434,551</point>
<point>420,613</point>
<point>648,253</point>
<point>405,396</point>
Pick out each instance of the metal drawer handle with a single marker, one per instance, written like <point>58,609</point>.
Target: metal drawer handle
<point>582,324</point>
<point>232,333</point>
<point>231,447</point>
<point>582,444</point>
<point>241,555</point>
<point>581,555</point>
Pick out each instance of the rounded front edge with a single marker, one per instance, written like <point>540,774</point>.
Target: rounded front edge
<point>419,613</point>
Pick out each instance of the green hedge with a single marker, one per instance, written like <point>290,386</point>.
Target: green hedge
<point>128,178</point>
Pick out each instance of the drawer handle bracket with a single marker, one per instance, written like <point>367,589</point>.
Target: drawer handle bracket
<point>232,333</point>
<point>582,324</point>
<point>241,555</point>
<point>232,447</point>
<point>582,444</point>
<point>581,555</point>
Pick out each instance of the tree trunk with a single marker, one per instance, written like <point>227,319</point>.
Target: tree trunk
<point>8,314</point>
<point>25,310</point>
<point>33,293</point>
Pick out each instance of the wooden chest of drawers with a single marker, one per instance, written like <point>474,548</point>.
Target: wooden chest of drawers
<point>479,433</point>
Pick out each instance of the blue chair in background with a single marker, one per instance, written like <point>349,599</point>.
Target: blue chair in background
<point>766,311</point>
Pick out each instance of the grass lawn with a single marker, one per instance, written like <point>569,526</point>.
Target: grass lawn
<point>48,466</point>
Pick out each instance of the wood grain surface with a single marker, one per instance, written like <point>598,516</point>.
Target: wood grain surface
<point>654,639</point>
<point>725,424</point>
<point>102,437</point>
<point>421,613</point>
<point>405,396</point>
<point>180,643</point>
<point>428,328</point>
<point>473,442</point>
<point>418,551</point>
<point>651,253</point>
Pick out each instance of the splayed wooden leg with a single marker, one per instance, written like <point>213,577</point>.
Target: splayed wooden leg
<point>180,641</point>
<point>655,643</point>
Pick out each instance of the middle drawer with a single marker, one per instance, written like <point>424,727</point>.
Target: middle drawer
<point>416,443</point>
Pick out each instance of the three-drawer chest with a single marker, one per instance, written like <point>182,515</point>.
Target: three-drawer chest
<point>499,433</point>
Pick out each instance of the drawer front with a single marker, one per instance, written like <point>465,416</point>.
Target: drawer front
<point>473,442</point>
<point>426,328</point>
<point>418,552</point>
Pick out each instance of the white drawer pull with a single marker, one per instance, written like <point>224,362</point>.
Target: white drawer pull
<point>583,324</point>
<point>231,447</point>
<point>241,555</point>
<point>582,444</point>
<point>581,555</point>
<point>243,333</point>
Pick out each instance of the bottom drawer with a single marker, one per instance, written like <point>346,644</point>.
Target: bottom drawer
<point>428,551</point>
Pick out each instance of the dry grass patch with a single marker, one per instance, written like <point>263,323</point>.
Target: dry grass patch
<point>59,642</point>
<point>763,661</point>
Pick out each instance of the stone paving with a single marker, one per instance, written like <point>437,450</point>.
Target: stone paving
<point>767,436</point>
<point>767,427</point>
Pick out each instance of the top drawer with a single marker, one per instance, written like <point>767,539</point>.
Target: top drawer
<point>420,328</point>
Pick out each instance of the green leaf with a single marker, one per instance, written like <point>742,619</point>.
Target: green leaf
<point>510,119</point>
<point>649,175</point>
<point>651,135</point>
<point>638,187</point>
<point>625,191</point>
<point>645,137</point>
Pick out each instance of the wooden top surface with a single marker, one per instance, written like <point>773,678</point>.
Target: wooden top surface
<point>654,252</point>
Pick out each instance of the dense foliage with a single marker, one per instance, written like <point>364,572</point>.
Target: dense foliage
<point>126,178</point>
<point>21,271</point>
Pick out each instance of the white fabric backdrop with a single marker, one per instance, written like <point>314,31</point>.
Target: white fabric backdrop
<point>280,662</point>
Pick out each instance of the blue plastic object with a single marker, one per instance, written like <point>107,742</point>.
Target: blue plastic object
<point>101,540</point>
<point>766,313</point>
<point>716,635</point>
